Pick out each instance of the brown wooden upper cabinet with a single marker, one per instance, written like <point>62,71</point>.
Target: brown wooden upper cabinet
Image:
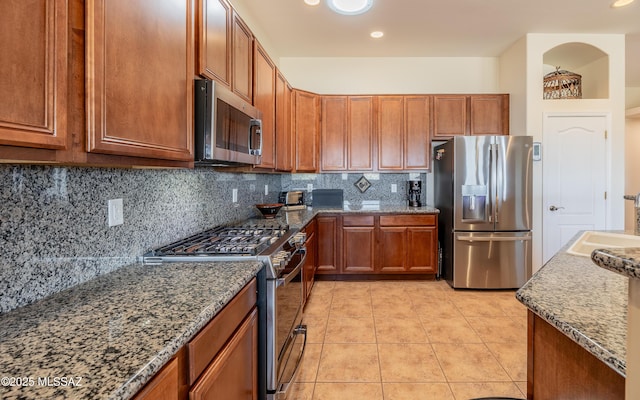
<point>33,73</point>
<point>476,114</point>
<point>403,133</point>
<point>241,58</point>
<point>139,78</point>
<point>264,99</point>
<point>284,119</point>
<point>225,47</point>
<point>489,114</point>
<point>214,44</point>
<point>306,126</point>
<point>347,135</point>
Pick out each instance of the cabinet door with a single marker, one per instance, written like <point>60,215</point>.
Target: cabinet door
<point>139,80</point>
<point>359,249</point>
<point>489,114</point>
<point>165,385</point>
<point>306,131</point>
<point>422,251</point>
<point>333,133</point>
<point>214,45</point>
<point>449,116</point>
<point>390,132</point>
<point>232,374</point>
<point>284,150</point>
<point>417,141</point>
<point>264,99</point>
<point>328,261</point>
<point>33,73</point>
<point>360,133</point>
<point>392,249</point>
<point>309,268</point>
<point>241,58</point>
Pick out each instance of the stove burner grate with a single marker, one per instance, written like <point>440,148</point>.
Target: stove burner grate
<point>247,239</point>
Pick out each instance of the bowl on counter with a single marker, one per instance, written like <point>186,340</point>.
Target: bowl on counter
<point>269,210</point>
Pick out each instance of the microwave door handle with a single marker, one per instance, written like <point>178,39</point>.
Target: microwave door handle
<point>255,125</point>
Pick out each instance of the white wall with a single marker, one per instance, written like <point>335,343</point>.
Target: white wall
<point>632,167</point>
<point>594,88</point>
<point>513,70</point>
<point>613,45</point>
<point>392,75</point>
<point>632,97</point>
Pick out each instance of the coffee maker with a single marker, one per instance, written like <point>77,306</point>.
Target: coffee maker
<point>414,192</point>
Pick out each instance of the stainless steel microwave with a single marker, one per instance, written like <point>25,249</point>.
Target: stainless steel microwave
<point>228,130</point>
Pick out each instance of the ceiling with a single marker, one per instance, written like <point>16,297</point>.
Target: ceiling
<point>449,28</point>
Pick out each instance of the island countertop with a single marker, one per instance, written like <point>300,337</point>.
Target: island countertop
<point>110,335</point>
<point>583,301</point>
<point>625,261</point>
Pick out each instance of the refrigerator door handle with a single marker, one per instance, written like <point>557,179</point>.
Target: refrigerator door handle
<point>468,238</point>
<point>492,184</point>
<point>498,187</point>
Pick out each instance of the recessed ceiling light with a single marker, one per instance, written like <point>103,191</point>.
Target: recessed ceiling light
<point>350,7</point>
<point>621,3</point>
<point>377,34</point>
<point>312,2</point>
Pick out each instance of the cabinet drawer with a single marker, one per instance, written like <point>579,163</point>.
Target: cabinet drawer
<point>357,220</point>
<point>215,334</point>
<point>407,220</point>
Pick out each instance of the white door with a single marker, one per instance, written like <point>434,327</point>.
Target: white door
<point>574,177</point>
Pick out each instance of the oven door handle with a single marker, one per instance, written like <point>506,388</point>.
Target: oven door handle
<point>295,272</point>
<point>299,330</point>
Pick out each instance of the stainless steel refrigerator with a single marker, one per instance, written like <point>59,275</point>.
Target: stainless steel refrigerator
<point>482,187</point>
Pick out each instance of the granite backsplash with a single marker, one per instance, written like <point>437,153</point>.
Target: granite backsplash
<point>53,220</point>
<point>380,189</point>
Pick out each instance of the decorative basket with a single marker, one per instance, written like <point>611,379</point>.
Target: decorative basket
<point>562,84</point>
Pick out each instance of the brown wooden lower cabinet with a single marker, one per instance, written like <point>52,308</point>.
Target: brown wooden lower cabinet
<point>559,368</point>
<point>233,373</point>
<point>309,267</point>
<point>164,385</point>
<point>327,231</point>
<point>220,362</point>
<point>377,244</point>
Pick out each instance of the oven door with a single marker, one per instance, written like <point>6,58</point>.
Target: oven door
<point>286,336</point>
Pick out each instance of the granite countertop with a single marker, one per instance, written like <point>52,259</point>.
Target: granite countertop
<point>299,218</point>
<point>112,334</point>
<point>625,262</point>
<point>585,302</point>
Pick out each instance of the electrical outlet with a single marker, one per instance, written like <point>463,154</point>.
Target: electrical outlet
<point>309,187</point>
<point>266,190</point>
<point>115,211</point>
<point>394,188</point>
<point>234,195</point>
<point>345,177</point>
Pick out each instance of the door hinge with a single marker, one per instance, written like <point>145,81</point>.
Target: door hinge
<point>605,195</point>
<point>606,134</point>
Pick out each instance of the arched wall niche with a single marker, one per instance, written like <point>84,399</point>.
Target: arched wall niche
<point>584,59</point>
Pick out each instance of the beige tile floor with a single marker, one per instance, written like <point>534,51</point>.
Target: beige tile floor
<point>410,340</point>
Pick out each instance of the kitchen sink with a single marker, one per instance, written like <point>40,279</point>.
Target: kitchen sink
<point>591,240</point>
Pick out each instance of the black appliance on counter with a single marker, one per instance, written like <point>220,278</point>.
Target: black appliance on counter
<point>414,192</point>
<point>282,335</point>
<point>327,198</point>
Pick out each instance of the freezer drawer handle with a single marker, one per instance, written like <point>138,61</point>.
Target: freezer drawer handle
<point>493,239</point>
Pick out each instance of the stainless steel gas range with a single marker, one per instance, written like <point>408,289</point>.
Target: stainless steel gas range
<point>283,336</point>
